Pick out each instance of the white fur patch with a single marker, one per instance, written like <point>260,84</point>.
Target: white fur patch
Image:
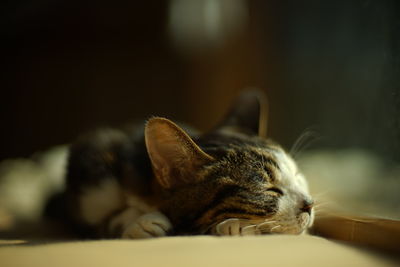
<point>26,184</point>
<point>124,219</point>
<point>98,202</point>
<point>149,225</point>
<point>236,227</point>
<point>289,219</point>
<point>136,207</point>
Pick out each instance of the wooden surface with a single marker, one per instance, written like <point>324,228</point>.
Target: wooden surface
<point>375,233</point>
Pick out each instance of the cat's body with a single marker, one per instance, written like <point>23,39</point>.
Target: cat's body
<point>160,181</point>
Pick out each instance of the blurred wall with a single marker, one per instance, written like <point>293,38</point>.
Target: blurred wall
<point>73,65</point>
<point>341,71</point>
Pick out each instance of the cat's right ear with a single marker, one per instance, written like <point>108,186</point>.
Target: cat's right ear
<point>248,115</point>
<point>174,156</point>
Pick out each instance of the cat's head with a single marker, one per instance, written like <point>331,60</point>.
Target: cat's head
<point>232,172</point>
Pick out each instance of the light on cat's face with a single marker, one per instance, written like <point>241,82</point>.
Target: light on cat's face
<point>232,173</point>
<point>287,201</point>
<point>295,205</point>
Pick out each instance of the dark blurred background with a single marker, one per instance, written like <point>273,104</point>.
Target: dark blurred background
<point>70,66</point>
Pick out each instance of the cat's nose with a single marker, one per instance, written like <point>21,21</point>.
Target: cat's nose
<point>307,205</point>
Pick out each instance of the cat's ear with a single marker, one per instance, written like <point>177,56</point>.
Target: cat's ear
<point>248,115</point>
<point>175,157</point>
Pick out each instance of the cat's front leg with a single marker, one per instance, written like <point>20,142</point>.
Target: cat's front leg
<point>149,225</point>
<point>236,227</point>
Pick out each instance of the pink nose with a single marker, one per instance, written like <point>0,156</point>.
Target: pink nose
<point>307,206</point>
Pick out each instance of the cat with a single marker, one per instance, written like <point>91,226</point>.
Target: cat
<point>162,180</point>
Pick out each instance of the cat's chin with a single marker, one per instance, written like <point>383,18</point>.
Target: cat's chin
<point>310,220</point>
<point>240,227</point>
<point>297,225</point>
<point>306,220</point>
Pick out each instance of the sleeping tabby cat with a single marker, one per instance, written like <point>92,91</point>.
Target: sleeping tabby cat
<point>163,180</point>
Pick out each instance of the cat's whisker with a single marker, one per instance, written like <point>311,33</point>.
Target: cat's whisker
<point>319,210</point>
<point>264,223</point>
<point>303,141</point>
<point>247,229</point>
<point>320,216</point>
<point>321,202</point>
<point>249,226</point>
<point>321,205</point>
<point>318,201</point>
<point>320,213</point>
<point>275,227</point>
<point>321,193</point>
<point>219,226</point>
<point>270,221</point>
<point>212,228</point>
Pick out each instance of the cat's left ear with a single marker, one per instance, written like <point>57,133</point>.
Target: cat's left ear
<point>248,115</point>
<point>175,157</point>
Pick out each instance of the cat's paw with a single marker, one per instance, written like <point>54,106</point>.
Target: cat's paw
<point>149,225</point>
<point>236,227</point>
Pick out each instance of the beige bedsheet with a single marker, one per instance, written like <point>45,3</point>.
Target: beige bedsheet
<point>275,250</point>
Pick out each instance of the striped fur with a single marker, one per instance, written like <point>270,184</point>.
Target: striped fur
<point>236,185</point>
<point>168,182</point>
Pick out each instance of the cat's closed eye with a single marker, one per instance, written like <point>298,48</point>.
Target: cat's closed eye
<point>276,190</point>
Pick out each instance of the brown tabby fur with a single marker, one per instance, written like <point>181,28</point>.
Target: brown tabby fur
<point>196,181</point>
